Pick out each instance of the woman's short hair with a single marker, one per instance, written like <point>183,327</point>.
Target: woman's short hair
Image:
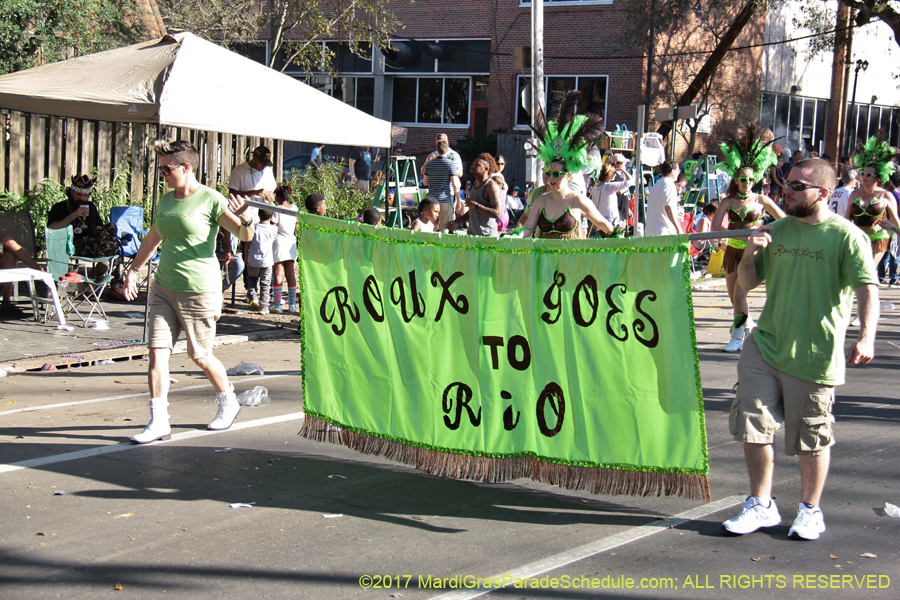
<point>180,151</point>
<point>606,174</point>
<point>314,200</point>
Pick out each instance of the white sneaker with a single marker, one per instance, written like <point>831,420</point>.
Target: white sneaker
<point>293,308</point>
<point>809,523</point>
<point>855,322</point>
<point>276,308</point>
<point>264,311</point>
<point>228,410</point>
<point>737,340</point>
<point>754,516</point>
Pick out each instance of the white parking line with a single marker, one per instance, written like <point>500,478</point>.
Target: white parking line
<point>614,541</point>
<point>136,395</point>
<point>176,437</point>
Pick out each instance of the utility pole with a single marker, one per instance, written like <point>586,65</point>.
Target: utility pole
<point>537,71</point>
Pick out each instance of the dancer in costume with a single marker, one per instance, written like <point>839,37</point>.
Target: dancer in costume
<point>557,211</point>
<point>747,158</point>
<point>871,207</point>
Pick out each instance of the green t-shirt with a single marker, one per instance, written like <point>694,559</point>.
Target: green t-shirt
<point>811,272</point>
<point>188,228</point>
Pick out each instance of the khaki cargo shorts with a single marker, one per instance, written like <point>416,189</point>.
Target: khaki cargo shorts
<point>195,314</point>
<point>767,398</point>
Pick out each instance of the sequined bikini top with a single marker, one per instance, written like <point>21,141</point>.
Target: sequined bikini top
<point>564,223</point>
<point>743,216</point>
<point>870,214</point>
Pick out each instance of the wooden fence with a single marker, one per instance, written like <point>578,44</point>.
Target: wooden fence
<point>35,147</point>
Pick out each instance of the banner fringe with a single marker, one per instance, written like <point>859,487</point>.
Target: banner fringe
<point>594,480</point>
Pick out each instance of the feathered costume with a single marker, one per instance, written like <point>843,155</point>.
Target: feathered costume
<point>567,138</point>
<point>749,152</point>
<point>877,154</point>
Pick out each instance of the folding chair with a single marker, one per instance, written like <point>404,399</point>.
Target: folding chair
<point>129,222</point>
<point>62,260</point>
<point>698,266</point>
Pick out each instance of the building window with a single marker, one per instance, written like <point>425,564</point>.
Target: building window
<point>358,92</point>
<point>798,121</point>
<point>567,2</point>
<point>431,100</point>
<point>592,87</point>
<point>339,57</point>
<point>865,120</point>
<point>438,56</point>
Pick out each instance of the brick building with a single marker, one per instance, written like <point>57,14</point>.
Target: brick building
<point>453,69</point>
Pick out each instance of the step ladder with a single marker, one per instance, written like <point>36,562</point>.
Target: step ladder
<point>700,188</point>
<point>399,171</point>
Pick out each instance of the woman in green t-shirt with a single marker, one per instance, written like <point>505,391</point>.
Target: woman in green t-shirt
<point>186,294</point>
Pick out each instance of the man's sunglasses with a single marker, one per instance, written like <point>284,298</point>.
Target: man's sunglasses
<point>555,174</point>
<point>799,186</point>
<point>167,170</point>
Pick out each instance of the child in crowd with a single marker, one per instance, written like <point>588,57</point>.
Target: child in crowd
<point>372,216</point>
<point>315,203</point>
<point>429,212</point>
<point>260,261</point>
<point>284,251</point>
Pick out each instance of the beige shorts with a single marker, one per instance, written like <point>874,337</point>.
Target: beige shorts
<point>767,398</point>
<point>445,215</point>
<point>174,312</point>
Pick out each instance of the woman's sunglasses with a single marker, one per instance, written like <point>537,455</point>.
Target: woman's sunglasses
<point>743,180</point>
<point>555,174</point>
<point>167,170</point>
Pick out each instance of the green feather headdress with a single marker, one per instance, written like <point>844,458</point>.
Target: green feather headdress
<point>876,154</point>
<point>749,151</point>
<point>567,138</point>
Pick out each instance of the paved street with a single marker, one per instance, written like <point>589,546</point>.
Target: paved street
<point>155,520</point>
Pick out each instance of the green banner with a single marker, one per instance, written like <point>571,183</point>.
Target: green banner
<point>569,361</point>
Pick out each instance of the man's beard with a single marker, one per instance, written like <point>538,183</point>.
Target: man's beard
<point>799,210</point>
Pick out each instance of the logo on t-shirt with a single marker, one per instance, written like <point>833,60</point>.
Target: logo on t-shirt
<point>800,252</point>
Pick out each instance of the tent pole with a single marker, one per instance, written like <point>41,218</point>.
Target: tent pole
<point>152,161</point>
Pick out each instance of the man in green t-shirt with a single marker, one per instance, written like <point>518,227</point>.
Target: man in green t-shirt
<point>812,261</point>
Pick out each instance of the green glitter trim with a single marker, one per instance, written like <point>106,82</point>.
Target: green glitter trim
<point>685,254</point>
<point>505,245</point>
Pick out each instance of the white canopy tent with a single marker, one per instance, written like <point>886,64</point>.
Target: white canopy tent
<point>182,80</point>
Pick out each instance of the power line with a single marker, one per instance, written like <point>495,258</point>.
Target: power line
<point>641,56</point>
<point>732,49</point>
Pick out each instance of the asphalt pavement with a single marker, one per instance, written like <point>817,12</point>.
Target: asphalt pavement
<point>85,512</point>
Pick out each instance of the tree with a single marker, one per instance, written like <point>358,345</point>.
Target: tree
<point>817,17</point>
<point>294,28</point>
<point>34,32</point>
<point>669,31</point>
